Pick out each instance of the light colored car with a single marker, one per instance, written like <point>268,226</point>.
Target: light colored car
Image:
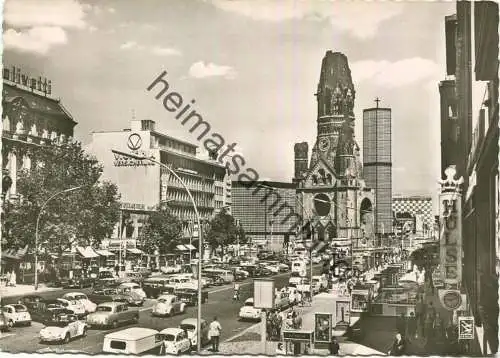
<point>63,328</point>
<point>190,325</point>
<point>273,269</point>
<point>281,300</point>
<point>134,287</point>
<point>133,297</point>
<point>175,341</point>
<point>88,305</point>
<point>168,305</point>
<point>76,306</point>
<point>248,311</point>
<point>112,314</point>
<point>16,314</point>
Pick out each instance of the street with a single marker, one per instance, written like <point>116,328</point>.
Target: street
<point>220,304</point>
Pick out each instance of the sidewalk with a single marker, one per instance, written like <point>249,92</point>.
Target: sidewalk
<point>20,290</point>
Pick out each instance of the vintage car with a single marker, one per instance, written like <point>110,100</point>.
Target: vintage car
<point>4,323</point>
<point>77,282</point>
<point>88,305</point>
<point>106,279</point>
<point>111,314</point>
<point>101,295</point>
<point>133,287</point>
<point>133,341</point>
<point>281,300</point>
<point>16,314</point>
<point>156,286</point>
<point>190,325</point>
<point>249,312</point>
<point>131,276</point>
<point>168,305</point>
<point>76,306</point>
<point>44,310</point>
<point>175,341</point>
<point>190,296</point>
<point>134,297</point>
<point>29,300</point>
<point>62,328</point>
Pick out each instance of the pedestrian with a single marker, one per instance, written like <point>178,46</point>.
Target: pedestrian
<point>13,278</point>
<point>334,346</point>
<point>214,333</point>
<point>7,278</point>
<point>419,310</point>
<point>428,327</point>
<point>432,310</point>
<point>438,331</point>
<point>299,298</point>
<point>398,346</point>
<point>401,324</point>
<point>412,326</point>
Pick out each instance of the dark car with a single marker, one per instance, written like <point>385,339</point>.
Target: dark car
<point>156,286</point>
<point>44,310</point>
<point>101,295</point>
<point>190,296</point>
<point>29,300</point>
<point>76,282</point>
<point>106,278</point>
<point>234,261</point>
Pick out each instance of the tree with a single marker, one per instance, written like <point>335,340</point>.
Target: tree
<point>81,217</point>
<point>162,232</point>
<point>222,231</point>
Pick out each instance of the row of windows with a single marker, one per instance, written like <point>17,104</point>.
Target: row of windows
<point>191,182</point>
<point>172,144</point>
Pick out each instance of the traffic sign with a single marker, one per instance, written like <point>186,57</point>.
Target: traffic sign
<point>134,141</point>
<point>466,327</point>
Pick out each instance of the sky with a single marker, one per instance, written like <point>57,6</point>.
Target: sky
<point>252,67</point>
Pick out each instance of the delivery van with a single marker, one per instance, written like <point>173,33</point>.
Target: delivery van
<point>135,340</point>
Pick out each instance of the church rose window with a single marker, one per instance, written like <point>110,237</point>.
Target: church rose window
<point>322,204</point>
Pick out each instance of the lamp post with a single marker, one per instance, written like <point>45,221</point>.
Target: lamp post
<point>38,223</point>
<point>200,240</point>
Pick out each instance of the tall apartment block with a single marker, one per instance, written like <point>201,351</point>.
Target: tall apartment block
<point>377,162</point>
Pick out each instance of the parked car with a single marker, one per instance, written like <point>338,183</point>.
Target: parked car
<point>134,341</point>
<point>190,296</point>
<point>101,295</point>
<point>77,282</point>
<point>249,312</point>
<point>131,276</point>
<point>156,286</point>
<point>106,279</point>
<point>190,325</point>
<point>133,287</point>
<point>88,305</point>
<point>281,301</point>
<point>16,314</point>
<point>168,305</point>
<point>133,297</point>
<point>30,300</point>
<point>112,314</point>
<point>175,341</point>
<point>76,306</point>
<point>62,328</point>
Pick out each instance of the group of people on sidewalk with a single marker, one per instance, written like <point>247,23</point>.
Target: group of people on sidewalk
<point>278,321</point>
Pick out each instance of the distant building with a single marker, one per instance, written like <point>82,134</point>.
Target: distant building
<point>144,186</point>
<point>377,163</point>
<point>255,208</point>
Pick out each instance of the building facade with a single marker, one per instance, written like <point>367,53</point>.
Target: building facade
<point>419,208</point>
<point>258,211</point>
<point>377,163</point>
<point>31,118</point>
<point>144,186</point>
<point>472,61</point>
<point>332,197</point>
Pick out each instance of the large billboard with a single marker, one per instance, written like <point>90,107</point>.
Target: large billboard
<point>138,180</point>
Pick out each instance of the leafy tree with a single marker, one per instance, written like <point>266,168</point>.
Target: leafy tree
<point>427,258</point>
<point>162,231</point>
<point>82,217</point>
<point>222,231</point>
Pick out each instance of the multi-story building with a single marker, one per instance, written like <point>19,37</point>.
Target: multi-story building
<point>472,145</point>
<point>144,185</point>
<point>258,210</point>
<point>377,163</point>
<point>419,208</point>
<point>31,118</point>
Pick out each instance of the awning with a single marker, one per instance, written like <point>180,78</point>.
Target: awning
<point>87,252</point>
<point>135,251</point>
<point>190,247</point>
<point>15,254</point>
<point>104,253</point>
<point>182,248</point>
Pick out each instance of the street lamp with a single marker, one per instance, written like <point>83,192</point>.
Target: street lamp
<point>38,222</point>
<point>198,219</point>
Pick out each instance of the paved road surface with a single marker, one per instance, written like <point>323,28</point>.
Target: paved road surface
<point>220,304</point>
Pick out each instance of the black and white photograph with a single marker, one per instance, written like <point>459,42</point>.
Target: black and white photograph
<point>250,177</point>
